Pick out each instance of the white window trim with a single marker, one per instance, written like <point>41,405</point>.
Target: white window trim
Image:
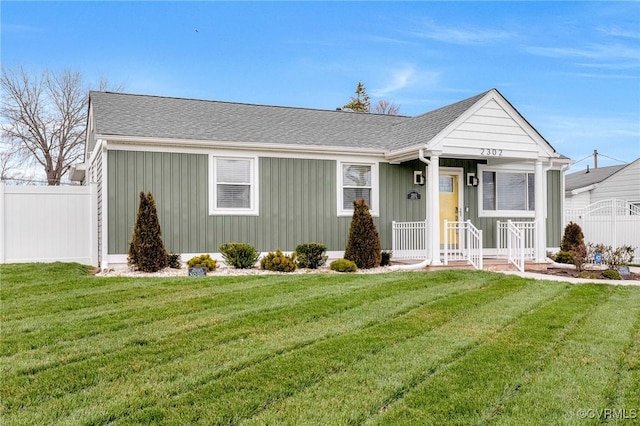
<point>254,210</point>
<point>520,168</point>
<point>375,188</point>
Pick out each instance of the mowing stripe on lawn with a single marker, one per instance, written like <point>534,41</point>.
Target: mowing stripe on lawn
<point>147,328</point>
<point>79,376</point>
<point>179,376</point>
<point>243,394</point>
<point>68,329</point>
<point>354,394</point>
<point>493,371</point>
<point>582,373</point>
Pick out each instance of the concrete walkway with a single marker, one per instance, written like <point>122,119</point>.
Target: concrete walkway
<point>571,280</point>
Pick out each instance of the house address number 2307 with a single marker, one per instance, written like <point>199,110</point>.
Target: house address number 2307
<point>491,152</point>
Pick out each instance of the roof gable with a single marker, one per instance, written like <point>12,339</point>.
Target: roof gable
<point>492,123</point>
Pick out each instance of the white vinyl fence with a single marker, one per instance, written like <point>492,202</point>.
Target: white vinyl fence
<point>613,222</point>
<point>48,224</point>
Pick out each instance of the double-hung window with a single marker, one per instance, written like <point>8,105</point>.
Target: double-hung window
<point>234,186</point>
<point>356,181</point>
<point>507,193</point>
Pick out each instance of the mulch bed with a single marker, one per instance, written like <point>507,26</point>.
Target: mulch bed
<point>589,274</point>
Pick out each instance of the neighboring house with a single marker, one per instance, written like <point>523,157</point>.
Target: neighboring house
<point>275,177</point>
<point>603,183</point>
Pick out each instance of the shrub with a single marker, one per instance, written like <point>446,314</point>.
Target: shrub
<point>203,261</point>
<point>343,265</point>
<point>619,256</point>
<point>146,250</point>
<point>363,245</point>
<point>279,262</point>
<point>385,259</point>
<point>311,255</point>
<point>572,236</point>
<point>579,255</point>
<point>239,255</point>
<point>564,257</point>
<point>173,259</point>
<point>611,274</point>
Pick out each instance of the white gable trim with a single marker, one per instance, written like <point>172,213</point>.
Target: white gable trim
<point>482,145</point>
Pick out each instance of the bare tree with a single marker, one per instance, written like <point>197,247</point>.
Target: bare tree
<point>44,118</point>
<point>385,107</point>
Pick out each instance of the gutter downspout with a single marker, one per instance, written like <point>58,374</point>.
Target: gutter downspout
<point>426,262</point>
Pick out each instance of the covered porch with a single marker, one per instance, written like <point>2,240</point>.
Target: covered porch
<point>494,188</point>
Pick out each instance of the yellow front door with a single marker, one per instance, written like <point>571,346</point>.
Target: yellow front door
<point>448,204</point>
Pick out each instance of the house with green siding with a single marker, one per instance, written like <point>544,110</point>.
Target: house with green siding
<point>275,177</point>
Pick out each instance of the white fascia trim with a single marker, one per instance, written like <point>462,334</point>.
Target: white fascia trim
<point>96,149</point>
<point>374,208</point>
<point>583,189</point>
<point>279,150</point>
<point>255,185</point>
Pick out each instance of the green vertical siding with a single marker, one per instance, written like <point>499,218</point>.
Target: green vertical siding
<point>554,208</point>
<point>297,202</point>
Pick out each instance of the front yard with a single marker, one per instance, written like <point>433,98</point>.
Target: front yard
<point>438,348</point>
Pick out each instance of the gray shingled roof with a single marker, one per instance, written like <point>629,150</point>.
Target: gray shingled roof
<point>161,117</point>
<point>118,114</point>
<point>589,177</point>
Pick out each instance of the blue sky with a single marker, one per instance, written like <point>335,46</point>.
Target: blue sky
<point>571,68</point>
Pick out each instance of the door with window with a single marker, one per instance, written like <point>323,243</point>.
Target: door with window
<point>449,208</point>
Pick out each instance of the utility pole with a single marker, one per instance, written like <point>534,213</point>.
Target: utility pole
<point>595,158</point>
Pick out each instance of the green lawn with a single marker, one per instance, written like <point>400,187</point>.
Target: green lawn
<point>449,347</point>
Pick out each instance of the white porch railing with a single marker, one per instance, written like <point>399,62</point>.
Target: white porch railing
<point>515,245</point>
<point>409,240</point>
<point>528,230</point>
<point>462,241</point>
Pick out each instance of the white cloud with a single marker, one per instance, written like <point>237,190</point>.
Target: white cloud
<point>591,51</point>
<point>406,77</point>
<point>461,35</point>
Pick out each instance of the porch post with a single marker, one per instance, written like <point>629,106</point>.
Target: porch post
<point>434,209</point>
<point>541,229</point>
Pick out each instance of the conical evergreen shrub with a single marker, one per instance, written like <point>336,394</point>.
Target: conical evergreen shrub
<point>363,247</point>
<point>146,250</point>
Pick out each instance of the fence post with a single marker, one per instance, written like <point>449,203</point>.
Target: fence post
<point>2,233</point>
<point>446,242</point>
<point>93,223</point>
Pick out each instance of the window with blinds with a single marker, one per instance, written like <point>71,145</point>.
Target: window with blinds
<point>507,192</point>
<point>356,184</point>
<point>356,181</point>
<point>234,186</point>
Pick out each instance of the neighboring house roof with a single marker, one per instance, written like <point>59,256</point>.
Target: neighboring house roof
<point>588,177</point>
<point>142,116</point>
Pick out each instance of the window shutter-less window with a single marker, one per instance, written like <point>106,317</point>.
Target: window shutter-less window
<point>233,183</point>
<point>356,184</point>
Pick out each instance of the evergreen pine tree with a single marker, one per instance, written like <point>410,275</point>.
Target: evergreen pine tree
<point>146,250</point>
<point>363,247</point>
